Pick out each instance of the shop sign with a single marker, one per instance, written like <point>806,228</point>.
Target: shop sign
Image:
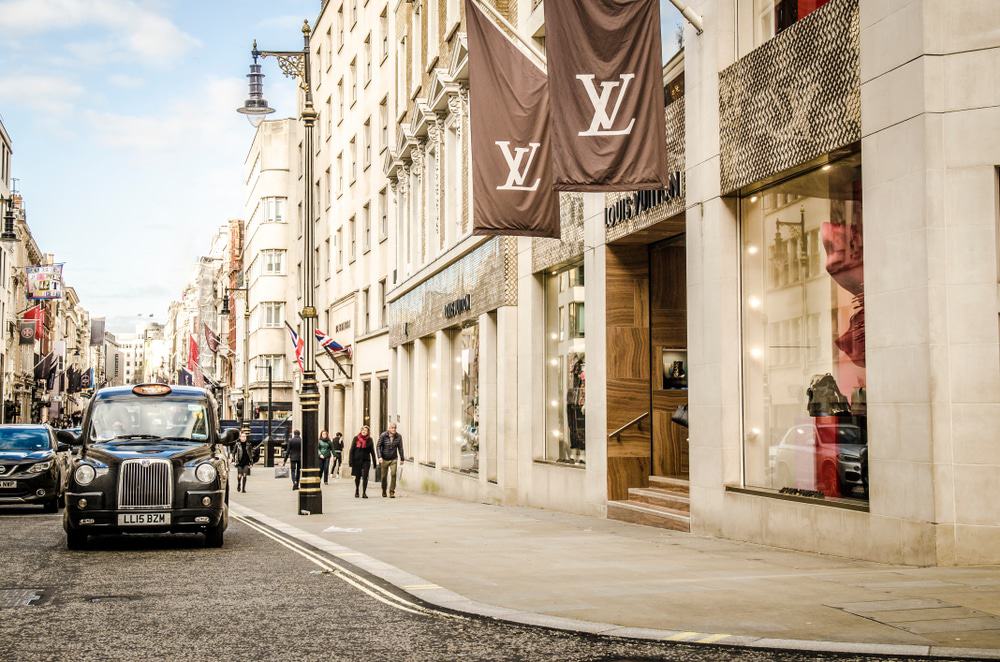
<point>343,326</point>
<point>634,204</point>
<point>458,306</point>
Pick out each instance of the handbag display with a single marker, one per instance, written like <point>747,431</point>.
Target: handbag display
<point>825,397</point>
<point>680,416</point>
<point>281,472</point>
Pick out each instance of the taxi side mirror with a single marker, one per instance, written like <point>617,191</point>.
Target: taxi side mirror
<point>229,437</point>
<point>68,438</point>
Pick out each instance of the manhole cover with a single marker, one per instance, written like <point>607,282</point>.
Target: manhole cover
<point>20,597</point>
<point>112,598</point>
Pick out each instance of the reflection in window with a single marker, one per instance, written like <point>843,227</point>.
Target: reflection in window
<point>804,334</point>
<point>465,447</point>
<point>565,366</point>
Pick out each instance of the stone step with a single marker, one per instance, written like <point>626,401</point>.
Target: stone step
<point>678,485</point>
<point>658,497</point>
<point>649,515</point>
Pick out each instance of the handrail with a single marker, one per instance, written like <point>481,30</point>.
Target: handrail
<point>635,420</point>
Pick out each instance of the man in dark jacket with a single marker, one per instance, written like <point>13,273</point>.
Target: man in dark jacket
<point>293,452</point>
<point>390,453</point>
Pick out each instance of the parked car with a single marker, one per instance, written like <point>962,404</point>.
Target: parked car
<point>150,461</point>
<point>33,466</point>
<point>823,457</point>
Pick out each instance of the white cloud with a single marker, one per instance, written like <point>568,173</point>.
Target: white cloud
<point>54,95</point>
<point>124,80</point>
<point>137,29</point>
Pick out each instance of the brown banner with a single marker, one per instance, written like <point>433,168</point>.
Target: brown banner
<point>606,77</point>
<point>511,177</point>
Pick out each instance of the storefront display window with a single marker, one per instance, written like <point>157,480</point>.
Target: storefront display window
<point>465,447</point>
<point>565,366</point>
<point>805,416</point>
<point>773,16</point>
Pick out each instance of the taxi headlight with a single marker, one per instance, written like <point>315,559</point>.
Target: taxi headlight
<point>84,474</point>
<point>40,467</point>
<point>205,472</point>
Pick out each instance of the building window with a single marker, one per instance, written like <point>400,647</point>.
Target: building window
<point>772,16</point>
<point>354,80</point>
<point>273,209</point>
<point>354,13</point>
<point>339,240</point>
<point>273,262</point>
<point>272,314</point>
<point>465,445</point>
<point>326,260</point>
<point>340,100</point>
<point>340,27</point>
<point>366,403</point>
<point>383,404</point>
<point>365,311</point>
<point>804,378</point>
<point>352,239</point>
<point>329,187</point>
<point>368,59</point>
<point>383,118</point>
<point>329,117</point>
<point>366,139</point>
<point>383,210</point>
<point>319,69</point>
<point>366,220</point>
<point>383,319</point>
<point>565,366</point>
<point>354,159</point>
<point>276,362</point>
<point>383,26</point>
<point>340,173</point>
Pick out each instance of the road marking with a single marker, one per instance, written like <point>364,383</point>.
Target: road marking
<point>357,581</point>
<point>713,638</point>
<point>682,636</point>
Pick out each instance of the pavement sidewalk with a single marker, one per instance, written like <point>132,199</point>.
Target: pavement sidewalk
<point>607,572</point>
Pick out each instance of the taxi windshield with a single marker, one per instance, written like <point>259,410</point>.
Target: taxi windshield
<point>149,418</point>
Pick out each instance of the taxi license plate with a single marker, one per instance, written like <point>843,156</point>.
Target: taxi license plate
<point>143,519</point>
<point>8,483</point>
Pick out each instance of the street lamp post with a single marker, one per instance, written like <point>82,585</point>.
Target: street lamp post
<point>295,64</point>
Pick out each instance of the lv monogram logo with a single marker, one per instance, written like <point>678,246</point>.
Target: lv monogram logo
<point>518,168</point>
<point>602,122</point>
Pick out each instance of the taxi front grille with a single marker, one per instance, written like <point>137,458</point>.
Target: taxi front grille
<point>145,484</point>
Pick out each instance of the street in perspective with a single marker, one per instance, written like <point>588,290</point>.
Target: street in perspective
<point>597,330</point>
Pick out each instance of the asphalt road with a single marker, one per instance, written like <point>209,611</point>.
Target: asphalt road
<point>168,598</point>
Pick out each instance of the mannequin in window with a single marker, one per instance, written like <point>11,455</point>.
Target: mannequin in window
<point>575,410</point>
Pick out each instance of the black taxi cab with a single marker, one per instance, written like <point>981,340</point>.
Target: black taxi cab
<point>150,461</point>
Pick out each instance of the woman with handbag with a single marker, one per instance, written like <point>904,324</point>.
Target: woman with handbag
<point>360,459</point>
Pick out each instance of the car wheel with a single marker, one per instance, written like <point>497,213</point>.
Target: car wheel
<point>52,505</point>
<point>76,540</point>
<point>215,535</point>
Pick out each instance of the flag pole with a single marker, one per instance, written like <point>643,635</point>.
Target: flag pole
<point>499,18</point>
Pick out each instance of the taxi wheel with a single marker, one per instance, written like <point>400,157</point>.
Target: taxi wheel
<point>215,535</point>
<point>76,540</point>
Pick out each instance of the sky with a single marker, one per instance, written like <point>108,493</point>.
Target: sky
<point>127,146</point>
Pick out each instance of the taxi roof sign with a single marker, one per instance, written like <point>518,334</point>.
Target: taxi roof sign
<point>151,389</point>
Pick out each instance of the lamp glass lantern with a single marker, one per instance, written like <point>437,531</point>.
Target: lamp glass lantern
<point>255,107</point>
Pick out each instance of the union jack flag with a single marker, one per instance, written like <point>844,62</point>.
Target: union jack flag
<point>298,344</point>
<point>328,343</point>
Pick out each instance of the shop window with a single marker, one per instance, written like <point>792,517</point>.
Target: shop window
<point>770,17</point>
<point>805,416</point>
<point>366,403</point>
<point>383,404</point>
<point>565,366</point>
<point>465,445</point>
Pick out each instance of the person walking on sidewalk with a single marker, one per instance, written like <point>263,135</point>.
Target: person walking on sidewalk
<point>338,450</point>
<point>293,452</point>
<point>361,458</point>
<point>325,452</point>
<point>390,453</point>
<point>242,458</point>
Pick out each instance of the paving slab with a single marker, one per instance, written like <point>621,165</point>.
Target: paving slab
<point>613,577</point>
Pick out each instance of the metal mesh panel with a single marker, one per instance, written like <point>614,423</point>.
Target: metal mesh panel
<point>547,253</point>
<point>794,99</point>
<point>487,274</point>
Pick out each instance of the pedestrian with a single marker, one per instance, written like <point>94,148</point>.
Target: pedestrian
<point>293,452</point>
<point>242,458</point>
<point>390,453</point>
<point>325,446</point>
<point>361,458</point>
<point>338,451</point>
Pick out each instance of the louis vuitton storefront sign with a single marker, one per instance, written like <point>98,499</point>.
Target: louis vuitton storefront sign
<point>634,204</point>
